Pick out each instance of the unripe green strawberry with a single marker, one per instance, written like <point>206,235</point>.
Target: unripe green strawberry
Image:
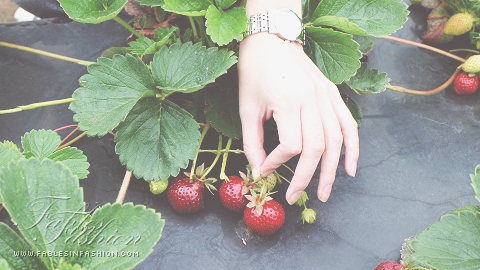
<point>472,65</point>
<point>159,186</point>
<point>270,182</point>
<point>459,24</point>
<point>309,215</point>
<point>302,199</point>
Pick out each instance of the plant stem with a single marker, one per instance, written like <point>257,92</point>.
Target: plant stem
<point>234,151</point>
<point>68,137</point>
<point>413,43</point>
<point>423,92</point>
<point>220,139</point>
<point>194,28</point>
<point>127,26</point>
<point>47,54</point>
<point>223,176</point>
<point>37,105</point>
<point>465,50</point>
<point>76,139</point>
<point>288,168</point>
<point>65,127</point>
<point>124,187</point>
<point>194,164</point>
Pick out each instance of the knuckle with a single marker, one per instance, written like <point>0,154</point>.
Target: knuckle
<point>336,140</point>
<point>291,149</point>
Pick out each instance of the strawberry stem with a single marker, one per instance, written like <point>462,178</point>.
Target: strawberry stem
<point>223,176</point>
<point>65,127</point>
<point>433,49</point>
<point>124,187</point>
<point>127,26</point>
<point>37,105</point>
<point>194,165</point>
<point>76,139</point>
<point>233,151</point>
<point>220,143</point>
<point>67,137</point>
<point>47,54</point>
<point>422,92</point>
<point>288,168</point>
<point>465,50</point>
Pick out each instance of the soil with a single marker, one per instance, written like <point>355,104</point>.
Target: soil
<point>7,9</point>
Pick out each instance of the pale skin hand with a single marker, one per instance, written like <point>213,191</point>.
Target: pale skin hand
<point>277,79</point>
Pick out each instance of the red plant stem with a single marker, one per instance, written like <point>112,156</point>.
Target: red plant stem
<point>413,43</point>
<point>124,187</point>
<point>422,92</point>
<point>65,127</point>
<point>68,136</point>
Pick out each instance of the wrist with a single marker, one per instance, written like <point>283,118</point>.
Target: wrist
<point>258,6</point>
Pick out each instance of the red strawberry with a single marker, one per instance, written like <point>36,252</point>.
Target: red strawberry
<point>231,194</point>
<point>185,195</point>
<point>263,215</point>
<point>389,265</point>
<point>464,84</point>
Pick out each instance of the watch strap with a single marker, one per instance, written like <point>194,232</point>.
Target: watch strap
<point>261,23</point>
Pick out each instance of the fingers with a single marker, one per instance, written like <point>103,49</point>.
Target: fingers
<point>349,129</point>
<point>290,136</point>
<point>313,147</point>
<point>331,156</point>
<point>252,132</point>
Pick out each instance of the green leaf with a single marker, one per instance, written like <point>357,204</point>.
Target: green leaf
<point>189,67</point>
<point>225,26</point>
<point>7,154</point>
<point>368,81</point>
<point>40,197</point>
<point>10,244</point>
<point>188,8</point>
<point>152,3</point>
<point>224,4</point>
<point>40,143</point>
<point>196,109</point>
<point>476,182</point>
<point>43,143</point>
<point>67,266</point>
<point>87,11</point>
<point>74,159</point>
<point>336,54</point>
<point>4,265</point>
<point>342,24</point>
<point>143,46</point>
<point>451,243</point>
<point>353,107</point>
<point>125,229</point>
<point>163,34</point>
<point>309,7</point>
<point>157,139</point>
<point>366,43</point>
<point>376,18</point>
<point>222,112</point>
<point>109,92</point>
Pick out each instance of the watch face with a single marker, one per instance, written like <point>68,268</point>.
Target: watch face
<point>288,24</point>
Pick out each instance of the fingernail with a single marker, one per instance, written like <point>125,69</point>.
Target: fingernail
<point>353,168</point>
<point>325,193</point>
<point>255,173</point>
<point>294,197</point>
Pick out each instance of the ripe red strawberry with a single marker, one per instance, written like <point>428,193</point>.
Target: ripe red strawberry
<point>464,84</point>
<point>389,265</point>
<point>263,216</point>
<point>185,195</point>
<point>231,194</point>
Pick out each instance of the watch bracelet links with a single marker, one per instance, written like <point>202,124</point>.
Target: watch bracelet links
<point>259,23</point>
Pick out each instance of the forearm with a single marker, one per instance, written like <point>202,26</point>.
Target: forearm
<point>257,6</point>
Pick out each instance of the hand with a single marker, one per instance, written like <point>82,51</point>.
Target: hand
<point>277,79</point>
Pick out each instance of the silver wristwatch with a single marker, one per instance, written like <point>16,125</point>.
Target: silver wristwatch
<point>285,23</point>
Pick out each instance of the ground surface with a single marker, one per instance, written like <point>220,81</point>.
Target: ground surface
<point>7,9</point>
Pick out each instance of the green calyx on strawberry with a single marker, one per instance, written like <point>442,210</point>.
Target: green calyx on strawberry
<point>185,193</point>
<point>263,215</point>
<point>302,199</point>
<point>158,186</point>
<point>465,84</point>
<point>390,265</point>
<point>232,193</point>
<point>309,215</point>
<point>472,65</point>
<point>459,24</point>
